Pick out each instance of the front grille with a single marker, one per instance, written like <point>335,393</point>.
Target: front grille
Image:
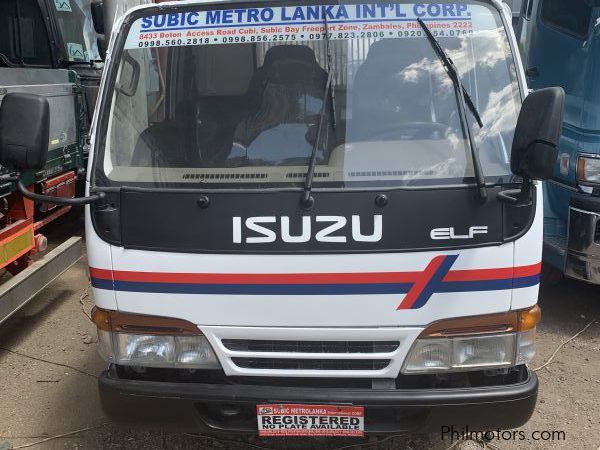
<point>270,346</point>
<point>311,352</point>
<point>311,364</point>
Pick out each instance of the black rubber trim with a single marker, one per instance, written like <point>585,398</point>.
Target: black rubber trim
<point>196,407</point>
<point>279,394</point>
<point>109,226</point>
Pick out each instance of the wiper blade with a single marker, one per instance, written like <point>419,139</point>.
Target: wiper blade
<point>307,200</point>
<point>464,99</point>
<point>451,70</point>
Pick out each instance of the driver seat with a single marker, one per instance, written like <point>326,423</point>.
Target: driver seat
<point>386,92</point>
<point>285,97</point>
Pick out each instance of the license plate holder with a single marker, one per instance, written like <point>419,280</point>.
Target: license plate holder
<point>310,420</point>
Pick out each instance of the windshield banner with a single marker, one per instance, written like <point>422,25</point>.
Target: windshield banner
<point>300,23</point>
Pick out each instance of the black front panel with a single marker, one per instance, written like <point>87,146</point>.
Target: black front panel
<point>274,222</point>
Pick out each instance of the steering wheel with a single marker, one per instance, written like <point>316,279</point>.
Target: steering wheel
<point>414,130</point>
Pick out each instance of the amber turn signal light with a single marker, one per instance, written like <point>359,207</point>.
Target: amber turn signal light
<point>514,321</point>
<point>120,322</point>
<point>528,319</point>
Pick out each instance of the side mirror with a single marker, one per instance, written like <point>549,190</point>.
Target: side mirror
<point>24,142</point>
<point>97,8</point>
<point>101,42</point>
<point>539,127</point>
<point>24,131</point>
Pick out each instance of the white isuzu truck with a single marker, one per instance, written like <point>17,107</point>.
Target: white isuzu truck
<point>313,218</point>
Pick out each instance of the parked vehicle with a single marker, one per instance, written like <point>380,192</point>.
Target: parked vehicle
<point>560,44</point>
<point>307,219</point>
<point>47,48</point>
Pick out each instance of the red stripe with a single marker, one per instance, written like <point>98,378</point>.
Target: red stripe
<point>528,271</point>
<point>231,278</point>
<point>103,274</point>
<point>504,273</point>
<point>417,288</point>
<point>319,278</point>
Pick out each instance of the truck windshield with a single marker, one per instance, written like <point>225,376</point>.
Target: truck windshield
<point>74,19</point>
<point>231,98</point>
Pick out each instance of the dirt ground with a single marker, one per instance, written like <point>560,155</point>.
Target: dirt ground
<point>49,364</point>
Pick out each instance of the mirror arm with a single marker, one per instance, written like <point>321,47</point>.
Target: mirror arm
<point>518,197</point>
<point>77,201</point>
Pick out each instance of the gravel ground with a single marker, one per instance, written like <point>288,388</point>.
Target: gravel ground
<point>40,400</point>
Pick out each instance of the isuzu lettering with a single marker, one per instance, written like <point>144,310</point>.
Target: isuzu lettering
<point>315,218</point>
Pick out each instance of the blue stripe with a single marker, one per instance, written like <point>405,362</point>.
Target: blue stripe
<point>475,286</point>
<point>102,284</point>
<point>312,22</point>
<point>526,282</point>
<point>487,285</point>
<point>261,289</point>
<point>435,282</point>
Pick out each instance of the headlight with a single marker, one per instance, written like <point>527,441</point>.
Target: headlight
<point>588,170</point>
<point>162,342</point>
<point>460,354</point>
<point>477,343</point>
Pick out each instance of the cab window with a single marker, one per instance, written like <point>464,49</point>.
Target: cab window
<point>572,17</point>
<point>23,36</point>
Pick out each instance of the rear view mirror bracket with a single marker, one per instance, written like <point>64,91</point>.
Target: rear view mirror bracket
<point>535,144</point>
<point>77,201</point>
<point>518,197</point>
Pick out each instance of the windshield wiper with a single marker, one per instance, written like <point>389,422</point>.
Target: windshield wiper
<point>307,201</point>
<point>464,100</point>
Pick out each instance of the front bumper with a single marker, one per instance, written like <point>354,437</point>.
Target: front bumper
<point>232,407</point>
<point>583,247</point>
